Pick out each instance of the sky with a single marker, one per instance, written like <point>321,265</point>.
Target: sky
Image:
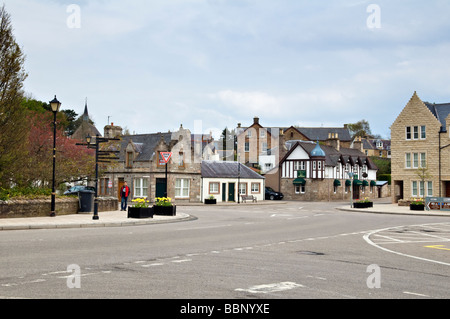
<point>152,65</point>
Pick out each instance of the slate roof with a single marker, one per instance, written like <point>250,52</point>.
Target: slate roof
<point>144,143</point>
<point>440,111</point>
<point>321,133</point>
<point>333,156</point>
<point>214,169</point>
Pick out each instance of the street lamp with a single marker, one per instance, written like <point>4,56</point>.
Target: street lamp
<point>55,105</point>
<point>351,175</point>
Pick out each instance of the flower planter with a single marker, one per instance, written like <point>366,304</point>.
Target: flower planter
<point>363,205</point>
<point>417,207</point>
<point>210,201</point>
<point>139,212</point>
<point>165,210</point>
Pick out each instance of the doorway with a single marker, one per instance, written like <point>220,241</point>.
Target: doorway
<point>224,192</point>
<point>398,191</point>
<point>447,189</point>
<point>160,187</point>
<point>231,197</point>
<point>119,193</point>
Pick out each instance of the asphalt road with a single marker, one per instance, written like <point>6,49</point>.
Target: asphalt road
<point>289,251</point>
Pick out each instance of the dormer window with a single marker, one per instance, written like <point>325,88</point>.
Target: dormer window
<point>129,160</point>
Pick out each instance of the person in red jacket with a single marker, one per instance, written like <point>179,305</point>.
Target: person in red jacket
<point>124,193</point>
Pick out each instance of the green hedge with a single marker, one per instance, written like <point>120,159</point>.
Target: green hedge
<point>6,194</point>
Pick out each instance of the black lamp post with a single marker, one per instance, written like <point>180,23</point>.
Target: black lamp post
<point>55,105</point>
<point>97,141</point>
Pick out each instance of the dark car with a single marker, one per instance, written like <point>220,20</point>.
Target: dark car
<point>76,189</point>
<point>272,195</point>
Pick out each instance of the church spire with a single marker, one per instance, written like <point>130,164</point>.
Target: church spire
<point>86,113</point>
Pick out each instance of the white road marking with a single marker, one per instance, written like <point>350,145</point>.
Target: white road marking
<point>271,288</point>
<point>414,294</point>
<point>370,242</point>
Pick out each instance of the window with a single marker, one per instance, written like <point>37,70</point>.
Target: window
<point>255,187</point>
<point>423,160</point>
<point>421,189</point>
<point>296,166</point>
<point>264,146</point>
<point>103,186</point>
<point>247,147</point>
<point>416,132</point>
<point>300,189</point>
<point>408,132</point>
<point>181,159</point>
<point>408,160</point>
<point>214,188</point>
<point>243,188</point>
<point>423,132</point>
<point>141,187</point>
<point>182,187</point>
<point>430,189</point>
<point>262,133</point>
<point>314,165</point>
<point>415,160</point>
<point>249,133</point>
<point>319,165</point>
<point>129,159</point>
<point>302,166</point>
<point>364,169</point>
<point>414,188</point>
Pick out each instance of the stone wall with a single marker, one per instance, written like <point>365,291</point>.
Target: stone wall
<point>41,207</point>
<point>324,190</point>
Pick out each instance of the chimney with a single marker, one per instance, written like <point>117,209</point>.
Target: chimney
<point>333,141</point>
<point>256,120</point>
<point>111,131</point>
<point>358,144</point>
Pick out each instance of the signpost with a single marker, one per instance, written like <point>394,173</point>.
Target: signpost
<point>437,203</point>
<point>164,160</point>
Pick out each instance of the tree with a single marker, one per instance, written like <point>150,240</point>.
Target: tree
<point>360,128</point>
<point>13,124</point>
<point>73,162</point>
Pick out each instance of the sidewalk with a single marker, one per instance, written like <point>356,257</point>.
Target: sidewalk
<point>387,208</point>
<point>106,219</point>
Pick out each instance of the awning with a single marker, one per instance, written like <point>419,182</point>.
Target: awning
<point>348,183</point>
<point>373,183</point>
<point>357,182</point>
<point>365,183</point>
<point>337,183</point>
<point>300,181</point>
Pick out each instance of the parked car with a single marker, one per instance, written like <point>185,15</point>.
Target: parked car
<point>76,189</point>
<point>272,195</point>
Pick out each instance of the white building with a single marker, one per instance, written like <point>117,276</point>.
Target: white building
<point>221,180</point>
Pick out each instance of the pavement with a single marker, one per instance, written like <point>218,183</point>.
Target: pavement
<point>120,218</point>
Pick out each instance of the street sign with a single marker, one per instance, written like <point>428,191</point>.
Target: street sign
<point>165,157</point>
<point>438,203</point>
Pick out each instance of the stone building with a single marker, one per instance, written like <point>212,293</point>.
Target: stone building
<point>142,167</point>
<point>263,147</point>
<point>86,127</point>
<point>314,172</point>
<point>420,152</point>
